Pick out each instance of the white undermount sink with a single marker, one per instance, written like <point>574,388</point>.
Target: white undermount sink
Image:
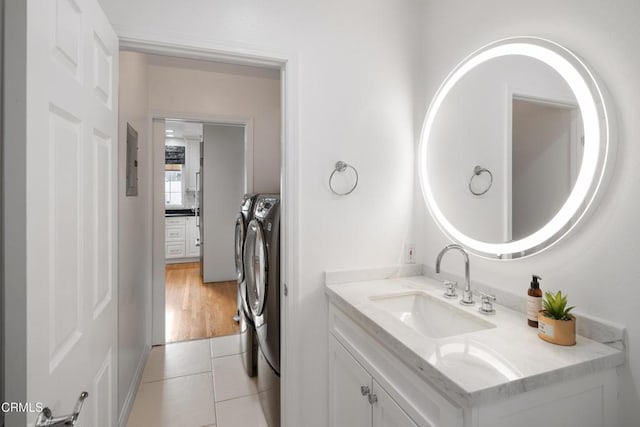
<point>428,315</point>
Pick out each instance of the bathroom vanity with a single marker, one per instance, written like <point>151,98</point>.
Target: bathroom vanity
<point>400,354</point>
<point>515,148</point>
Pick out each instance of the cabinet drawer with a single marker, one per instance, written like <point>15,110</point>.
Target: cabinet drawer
<point>174,250</point>
<point>170,222</point>
<point>174,234</point>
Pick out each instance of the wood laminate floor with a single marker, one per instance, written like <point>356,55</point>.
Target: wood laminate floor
<point>196,310</point>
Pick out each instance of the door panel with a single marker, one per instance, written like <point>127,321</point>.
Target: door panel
<point>386,412</point>
<point>222,184</point>
<point>72,59</point>
<point>348,405</point>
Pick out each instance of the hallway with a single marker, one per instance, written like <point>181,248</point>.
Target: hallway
<point>196,384</point>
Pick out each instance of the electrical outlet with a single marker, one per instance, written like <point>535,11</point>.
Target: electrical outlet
<point>409,253</point>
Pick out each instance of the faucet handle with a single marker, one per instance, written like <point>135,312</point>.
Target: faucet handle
<point>486,307</point>
<point>451,289</point>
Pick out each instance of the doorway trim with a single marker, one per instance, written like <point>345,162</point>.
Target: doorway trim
<point>288,64</point>
<point>158,326</point>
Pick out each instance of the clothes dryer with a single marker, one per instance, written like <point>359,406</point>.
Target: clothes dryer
<point>262,270</point>
<point>249,339</point>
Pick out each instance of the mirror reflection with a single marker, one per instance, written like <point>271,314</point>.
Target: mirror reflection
<point>517,119</point>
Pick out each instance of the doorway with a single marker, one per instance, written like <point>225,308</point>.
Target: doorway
<point>205,92</point>
<point>204,178</point>
<point>546,144</point>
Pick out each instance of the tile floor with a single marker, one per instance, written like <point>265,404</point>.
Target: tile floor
<point>196,384</point>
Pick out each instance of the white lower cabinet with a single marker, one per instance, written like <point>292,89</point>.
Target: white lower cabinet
<point>370,386</point>
<point>357,399</point>
<point>193,237</point>
<point>181,235</point>
<point>349,403</point>
<point>174,237</point>
<point>386,412</point>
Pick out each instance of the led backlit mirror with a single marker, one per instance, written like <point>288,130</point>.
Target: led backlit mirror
<point>514,147</point>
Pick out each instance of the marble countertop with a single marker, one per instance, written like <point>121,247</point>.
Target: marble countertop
<point>476,367</point>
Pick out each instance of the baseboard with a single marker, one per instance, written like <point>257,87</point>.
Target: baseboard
<point>181,260</point>
<point>131,394</point>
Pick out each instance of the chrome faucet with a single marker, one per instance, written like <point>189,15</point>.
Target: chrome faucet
<point>467,296</point>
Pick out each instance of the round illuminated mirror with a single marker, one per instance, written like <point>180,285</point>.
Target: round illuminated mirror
<point>514,147</point>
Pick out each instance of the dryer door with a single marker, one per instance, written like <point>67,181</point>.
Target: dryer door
<point>255,257</point>
<point>239,247</point>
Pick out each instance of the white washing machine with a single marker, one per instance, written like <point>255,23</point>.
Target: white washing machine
<point>250,340</point>
<point>262,270</point>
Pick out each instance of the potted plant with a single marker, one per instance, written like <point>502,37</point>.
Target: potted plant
<point>555,324</point>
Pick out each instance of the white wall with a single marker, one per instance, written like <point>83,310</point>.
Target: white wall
<point>354,102</point>
<point>134,232</point>
<point>202,88</point>
<point>598,264</point>
<point>222,188</point>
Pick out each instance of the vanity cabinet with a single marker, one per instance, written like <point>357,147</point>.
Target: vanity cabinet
<point>401,398</point>
<point>404,398</point>
<point>357,399</point>
<point>349,404</point>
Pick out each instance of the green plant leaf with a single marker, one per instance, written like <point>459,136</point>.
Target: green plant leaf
<point>556,306</point>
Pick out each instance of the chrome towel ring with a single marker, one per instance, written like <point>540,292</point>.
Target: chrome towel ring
<point>477,171</point>
<point>342,167</point>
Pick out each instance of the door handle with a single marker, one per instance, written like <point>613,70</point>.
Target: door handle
<point>46,418</point>
<point>373,399</point>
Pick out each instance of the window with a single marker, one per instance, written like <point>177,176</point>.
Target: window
<point>173,185</point>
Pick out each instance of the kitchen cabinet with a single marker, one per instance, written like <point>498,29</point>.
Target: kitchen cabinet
<point>174,237</point>
<point>193,237</point>
<point>357,399</point>
<point>181,234</point>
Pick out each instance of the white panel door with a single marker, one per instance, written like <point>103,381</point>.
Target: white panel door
<point>386,412</point>
<point>72,63</point>
<point>349,404</point>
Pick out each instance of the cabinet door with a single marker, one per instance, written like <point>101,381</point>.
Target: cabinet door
<point>348,405</point>
<point>192,236</point>
<point>386,412</point>
<point>174,250</point>
<point>174,234</point>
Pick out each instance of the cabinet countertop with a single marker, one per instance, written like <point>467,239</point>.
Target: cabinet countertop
<point>477,367</point>
<point>178,212</point>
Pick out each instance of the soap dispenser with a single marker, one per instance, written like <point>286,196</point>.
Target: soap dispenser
<point>534,301</point>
